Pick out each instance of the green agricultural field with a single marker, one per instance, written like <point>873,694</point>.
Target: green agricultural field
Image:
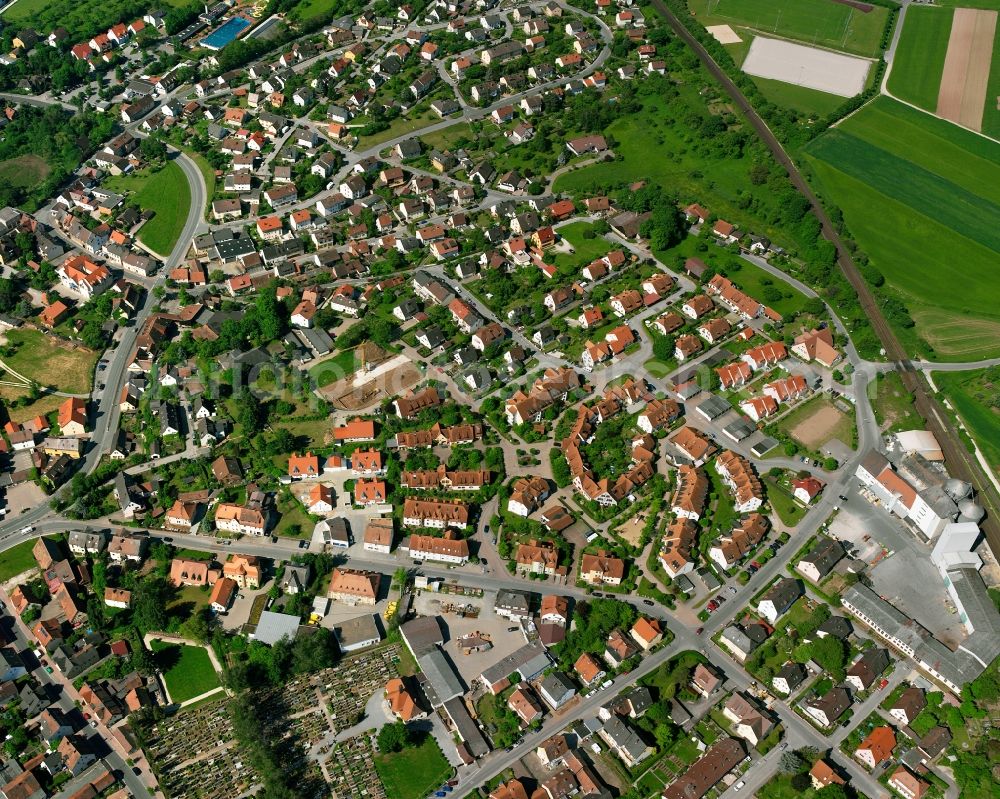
<point>415,772</point>
<point>166,192</point>
<point>991,111</point>
<point>926,192</point>
<point>24,171</point>
<point>974,396</point>
<point>937,191</point>
<point>187,670</point>
<point>958,155</point>
<point>919,58</point>
<point>16,560</point>
<point>821,22</point>
<point>798,98</point>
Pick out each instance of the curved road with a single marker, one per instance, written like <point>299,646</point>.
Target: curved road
<point>962,464</point>
<point>105,413</point>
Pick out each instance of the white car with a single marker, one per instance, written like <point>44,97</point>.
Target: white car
<point>29,529</point>
<point>739,785</point>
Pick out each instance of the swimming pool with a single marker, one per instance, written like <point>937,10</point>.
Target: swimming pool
<point>225,33</point>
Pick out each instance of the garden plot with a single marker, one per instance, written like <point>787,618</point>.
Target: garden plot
<point>823,70</point>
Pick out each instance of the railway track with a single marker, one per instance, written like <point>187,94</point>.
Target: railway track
<point>961,463</point>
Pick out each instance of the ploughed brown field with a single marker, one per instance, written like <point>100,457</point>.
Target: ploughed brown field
<point>967,67</point>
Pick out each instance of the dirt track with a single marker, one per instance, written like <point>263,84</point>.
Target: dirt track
<point>966,72</point>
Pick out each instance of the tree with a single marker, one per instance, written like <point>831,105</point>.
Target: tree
<point>153,150</point>
<point>198,626</point>
<point>801,781</point>
<point>394,737</point>
<point>149,604</point>
<point>791,763</point>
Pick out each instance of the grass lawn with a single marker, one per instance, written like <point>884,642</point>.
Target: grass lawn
<point>893,405</point>
<point>973,396</point>
<point>789,511</point>
<point>414,121</point>
<point>292,513</point>
<point>16,560</point>
<point>833,25</point>
<point>207,173</point>
<point>659,369</point>
<point>919,58</point>
<point>445,138</point>
<point>187,670</point>
<point>341,365</point>
<point>40,358</point>
<point>165,192</point>
<point>799,98</point>
<point>25,170</point>
<point>413,773</point>
<point>586,250</point>
<point>935,186</point>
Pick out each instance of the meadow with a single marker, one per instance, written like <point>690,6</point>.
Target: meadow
<point>25,170</point>
<point>165,192</point>
<point>937,191</point>
<point>973,395</point>
<point>919,58</point>
<point>821,22</point>
<point>40,358</point>
<point>658,145</point>
<point>798,98</point>
<point>414,772</point>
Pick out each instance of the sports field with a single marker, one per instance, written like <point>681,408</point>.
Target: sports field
<point>822,22</point>
<point>936,189</point>
<point>812,67</point>
<point>919,58</point>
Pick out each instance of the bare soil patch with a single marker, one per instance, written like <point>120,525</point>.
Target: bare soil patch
<point>354,394</point>
<point>966,72</point>
<point>817,428</point>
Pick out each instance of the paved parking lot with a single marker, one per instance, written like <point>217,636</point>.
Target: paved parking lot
<point>488,623</point>
<point>906,578</point>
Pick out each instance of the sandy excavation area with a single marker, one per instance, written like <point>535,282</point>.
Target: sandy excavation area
<point>823,70</point>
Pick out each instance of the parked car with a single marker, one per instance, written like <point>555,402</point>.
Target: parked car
<point>732,589</point>
<point>648,602</point>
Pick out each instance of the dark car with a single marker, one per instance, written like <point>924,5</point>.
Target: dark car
<point>699,631</point>
<point>648,602</point>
